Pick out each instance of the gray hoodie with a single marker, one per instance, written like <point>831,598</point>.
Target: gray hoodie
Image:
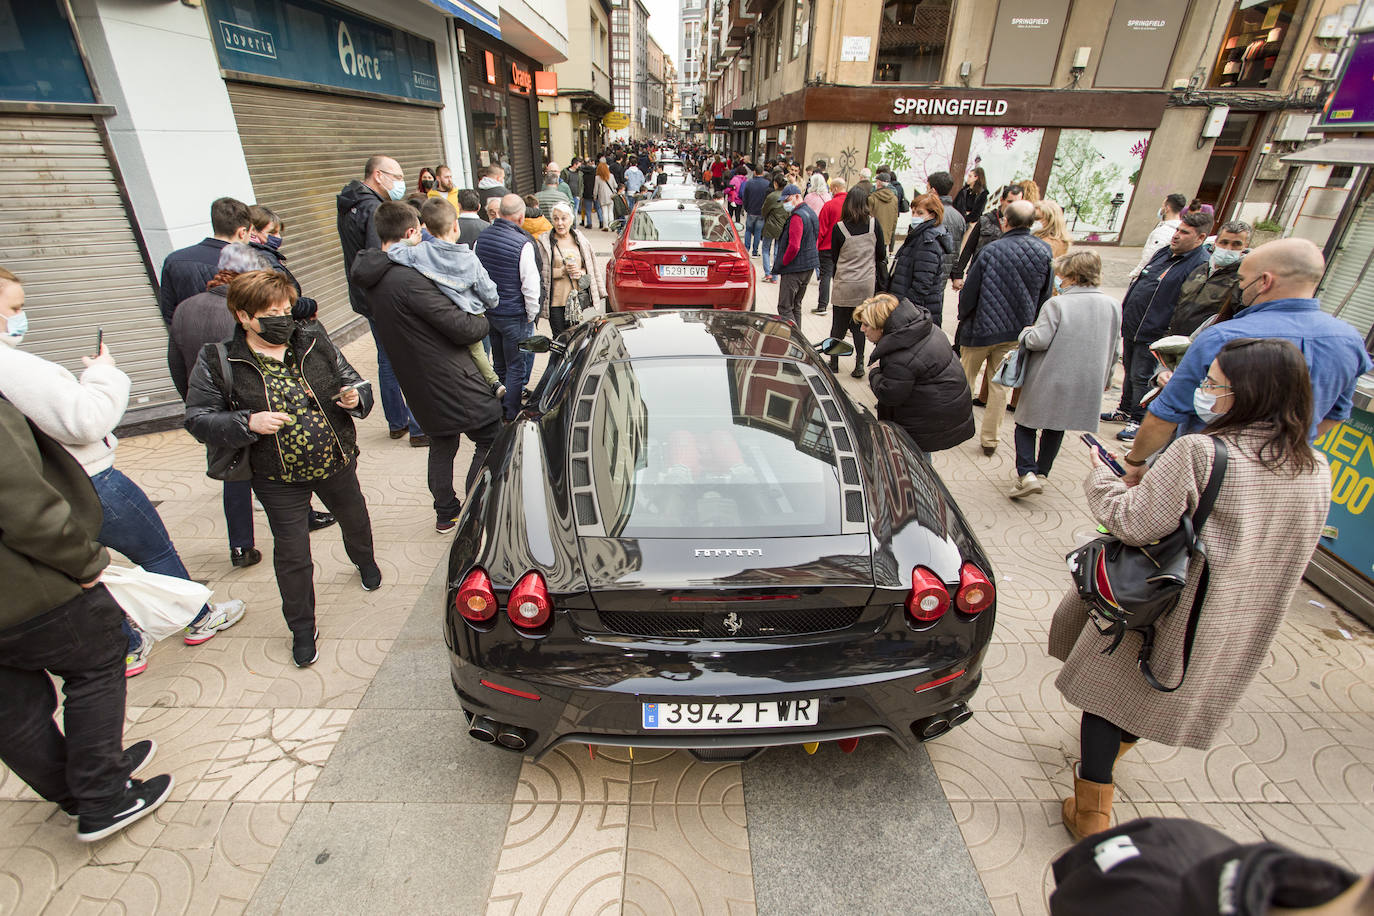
<point>454,269</point>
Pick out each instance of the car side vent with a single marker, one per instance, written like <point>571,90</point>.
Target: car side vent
<point>831,411</point>
<point>818,385</point>
<point>849,471</point>
<point>580,458</point>
<point>853,506</point>
<point>851,478</point>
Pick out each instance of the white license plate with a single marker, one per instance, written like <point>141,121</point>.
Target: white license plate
<point>746,714</point>
<point>680,270</point>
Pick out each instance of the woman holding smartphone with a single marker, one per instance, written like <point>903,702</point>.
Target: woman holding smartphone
<point>1072,350</point>
<point>1269,512</point>
<point>290,398</point>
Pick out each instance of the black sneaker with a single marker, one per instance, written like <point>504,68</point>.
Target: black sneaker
<point>141,798</point>
<point>244,556</point>
<point>138,755</point>
<point>303,650</point>
<point>1115,416</point>
<point>320,520</point>
<point>445,525</point>
<point>372,577</point>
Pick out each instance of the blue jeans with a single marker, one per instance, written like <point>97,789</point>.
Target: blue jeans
<point>768,255</point>
<point>753,233</point>
<point>584,209</point>
<point>132,526</point>
<point>393,401</point>
<point>512,364</point>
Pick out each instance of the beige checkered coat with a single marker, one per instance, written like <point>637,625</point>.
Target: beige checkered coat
<point>1259,538</point>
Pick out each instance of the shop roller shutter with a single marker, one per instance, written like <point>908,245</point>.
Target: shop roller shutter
<point>302,148</point>
<point>65,232</point>
<point>1348,288</point>
<point>521,158</point>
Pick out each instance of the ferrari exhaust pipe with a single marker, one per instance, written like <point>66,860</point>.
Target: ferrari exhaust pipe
<point>930,727</point>
<point>517,739</point>
<point>959,715</point>
<point>483,729</point>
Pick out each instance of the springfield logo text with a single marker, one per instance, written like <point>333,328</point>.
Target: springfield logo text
<point>1148,25</point>
<point>977,107</point>
<point>248,41</point>
<point>1026,22</point>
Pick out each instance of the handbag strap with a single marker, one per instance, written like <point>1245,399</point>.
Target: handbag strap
<point>1204,509</point>
<point>226,375</point>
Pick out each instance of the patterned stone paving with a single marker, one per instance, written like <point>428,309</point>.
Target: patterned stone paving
<point>349,787</point>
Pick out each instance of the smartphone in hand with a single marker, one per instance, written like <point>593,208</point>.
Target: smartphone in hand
<point>1106,456</point>
<point>99,340</point>
<point>356,386</point>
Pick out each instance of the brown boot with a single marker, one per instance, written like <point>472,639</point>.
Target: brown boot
<point>1089,810</point>
<point>1125,746</point>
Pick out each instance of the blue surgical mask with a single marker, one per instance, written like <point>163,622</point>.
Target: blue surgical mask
<point>398,190</point>
<point>274,242</point>
<point>1058,285</point>
<point>1203,404</point>
<point>789,206</point>
<point>1224,257</point>
<point>16,326</point>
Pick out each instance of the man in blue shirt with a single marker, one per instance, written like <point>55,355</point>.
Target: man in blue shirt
<point>634,179</point>
<point>1277,282</point>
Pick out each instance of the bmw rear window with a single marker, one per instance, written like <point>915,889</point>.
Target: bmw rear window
<point>727,447</point>
<point>688,224</point>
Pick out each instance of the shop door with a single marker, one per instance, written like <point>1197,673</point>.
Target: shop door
<point>302,148</point>
<point>1220,179</point>
<point>1347,290</point>
<point>69,238</point>
<point>521,143</point>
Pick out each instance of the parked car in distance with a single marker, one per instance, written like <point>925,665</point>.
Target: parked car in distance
<point>671,191</point>
<point>679,254</point>
<point>692,538</point>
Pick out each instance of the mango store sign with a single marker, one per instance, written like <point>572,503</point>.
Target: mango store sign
<point>989,108</point>
<point>1349,532</point>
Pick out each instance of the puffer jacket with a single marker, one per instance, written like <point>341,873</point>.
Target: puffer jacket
<point>1203,294</point>
<point>884,206</point>
<point>921,268</point>
<point>222,423</point>
<point>49,521</point>
<point>919,382</point>
<point>775,217</point>
<point>1152,296</point>
<point>357,203</point>
<point>1006,285</point>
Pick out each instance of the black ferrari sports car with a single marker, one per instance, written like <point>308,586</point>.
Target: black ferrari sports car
<point>692,538</point>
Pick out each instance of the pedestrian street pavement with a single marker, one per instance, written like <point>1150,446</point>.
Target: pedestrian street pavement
<point>351,786</point>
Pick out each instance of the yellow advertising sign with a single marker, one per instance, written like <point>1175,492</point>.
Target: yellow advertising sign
<point>616,120</point>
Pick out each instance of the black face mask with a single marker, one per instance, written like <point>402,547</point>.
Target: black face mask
<point>426,183</point>
<point>276,329</point>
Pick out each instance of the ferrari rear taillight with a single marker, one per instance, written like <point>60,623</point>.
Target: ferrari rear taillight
<point>975,591</point>
<point>929,599</point>
<point>529,606</point>
<point>475,599</point>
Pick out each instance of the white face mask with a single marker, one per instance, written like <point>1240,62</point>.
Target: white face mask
<point>15,328</point>
<point>1203,404</point>
<point>1037,226</point>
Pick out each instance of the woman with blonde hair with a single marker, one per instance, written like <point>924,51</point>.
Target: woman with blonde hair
<point>605,191</point>
<point>1029,190</point>
<point>918,381</point>
<point>1052,230</point>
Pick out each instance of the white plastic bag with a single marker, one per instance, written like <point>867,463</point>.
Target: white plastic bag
<point>159,605</point>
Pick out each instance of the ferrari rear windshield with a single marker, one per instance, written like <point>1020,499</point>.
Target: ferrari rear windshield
<point>689,224</point>
<point>712,446</point>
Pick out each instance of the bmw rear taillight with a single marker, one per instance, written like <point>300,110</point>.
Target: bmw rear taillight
<point>529,606</point>
<point>626,269</point>
<point>476,601</point>
<point>975,591</point>
<point>738,269</point>
<point>929,599</point>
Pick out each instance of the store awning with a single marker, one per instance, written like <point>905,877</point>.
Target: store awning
<point>471,13</point>
<point>1345,151</point>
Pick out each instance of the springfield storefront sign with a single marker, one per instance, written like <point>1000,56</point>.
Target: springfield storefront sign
<point>991,108</point>
<point>319,44</point>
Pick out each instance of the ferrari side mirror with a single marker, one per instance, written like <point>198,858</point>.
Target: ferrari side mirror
<point>833,346</point>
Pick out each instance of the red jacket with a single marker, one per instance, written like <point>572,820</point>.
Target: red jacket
<point>829,216</point>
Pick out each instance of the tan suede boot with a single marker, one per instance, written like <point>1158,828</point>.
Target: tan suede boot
<point>1089,810</point>
<point>1125,746</point>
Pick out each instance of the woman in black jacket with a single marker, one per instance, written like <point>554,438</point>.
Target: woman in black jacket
<point>918,380</point>
<point>289,398</point>
<point>921,267</point>
<point>972,198</point>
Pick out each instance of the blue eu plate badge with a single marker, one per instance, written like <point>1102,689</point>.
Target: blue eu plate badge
<point>651,715</point>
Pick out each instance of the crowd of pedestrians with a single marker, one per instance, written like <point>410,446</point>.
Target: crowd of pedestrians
<point>452,281</point>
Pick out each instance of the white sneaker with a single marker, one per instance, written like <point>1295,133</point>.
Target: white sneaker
<point>1026,485</point>
<point>221,617</point>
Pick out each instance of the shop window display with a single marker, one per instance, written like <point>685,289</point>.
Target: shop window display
<point>912,151</point>
<point>1254,39</point>
<point>911,42</point>
<point>1094,177</point>
<point>1006,154</point>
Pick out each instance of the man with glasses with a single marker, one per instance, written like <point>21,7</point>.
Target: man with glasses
<point>1277,284</point>
<point>358,202</point>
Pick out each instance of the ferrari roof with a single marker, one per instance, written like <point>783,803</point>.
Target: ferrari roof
<point>696,332</point>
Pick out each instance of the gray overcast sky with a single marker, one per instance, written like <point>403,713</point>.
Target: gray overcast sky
<point>663,26</point>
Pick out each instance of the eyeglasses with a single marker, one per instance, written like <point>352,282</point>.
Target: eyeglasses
<point>1209,385</point>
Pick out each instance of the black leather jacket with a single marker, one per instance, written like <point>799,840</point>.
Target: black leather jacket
<point>217,414</point>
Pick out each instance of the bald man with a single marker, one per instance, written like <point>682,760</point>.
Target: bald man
<point>511,259</point>
<point>1277,283</point>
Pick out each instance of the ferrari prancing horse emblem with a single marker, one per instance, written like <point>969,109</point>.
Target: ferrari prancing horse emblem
<point>732,623</point>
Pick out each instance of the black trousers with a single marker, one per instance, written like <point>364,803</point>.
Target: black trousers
<point>1139,365</point>
<point>1099,741</point>
<point>841,323</point>
<point>827,275</point>
<point>558,319</point>
<point>82,642</point>
<point>442,451</point>
<point>1031,461</point>
<point>288,513</point>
